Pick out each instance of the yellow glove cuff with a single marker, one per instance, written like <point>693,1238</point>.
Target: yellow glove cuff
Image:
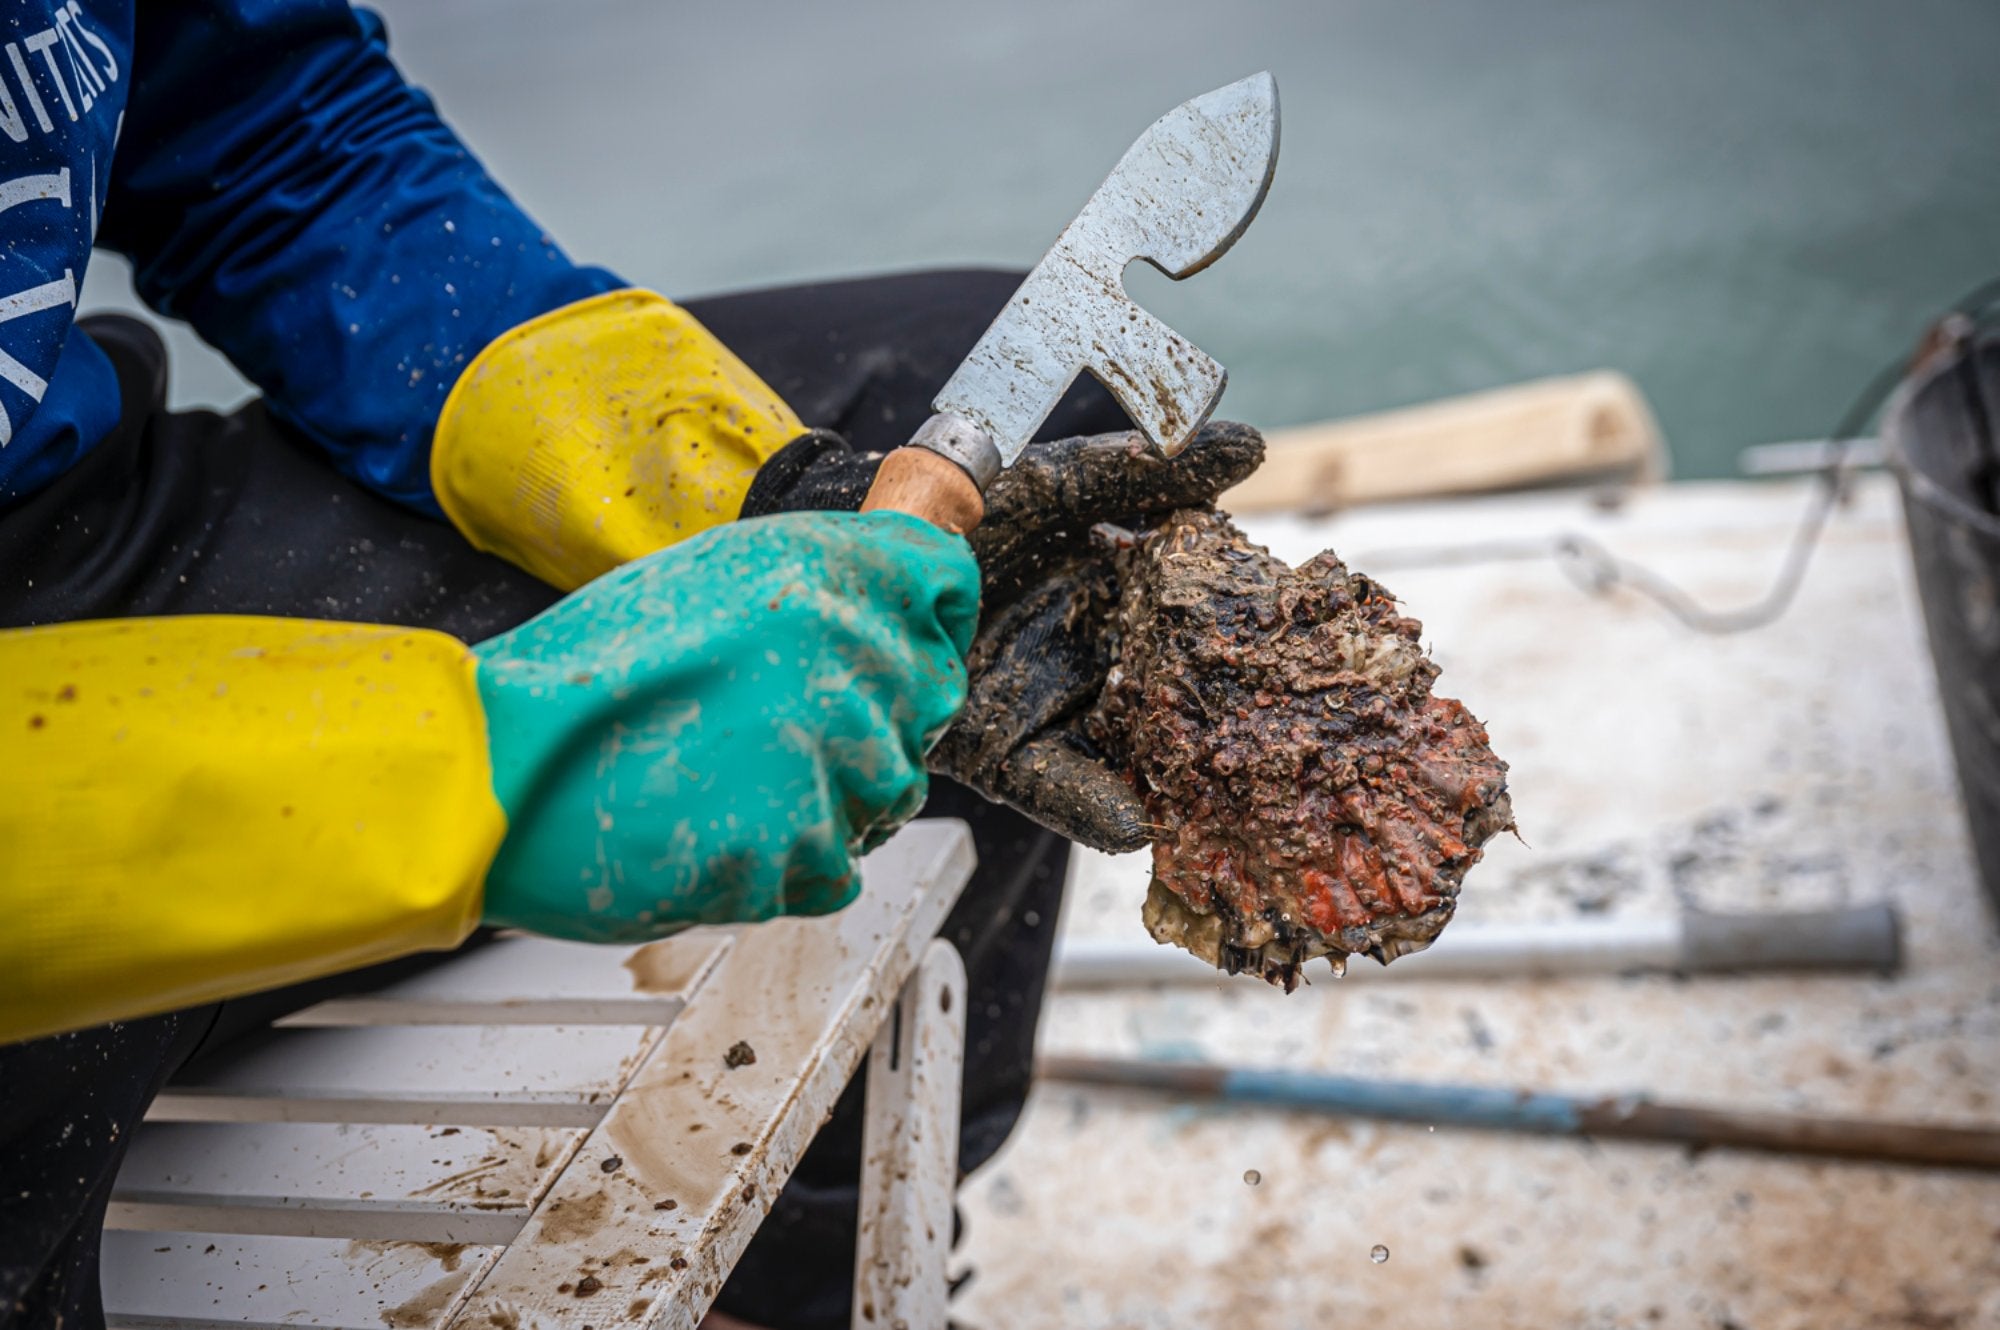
<point>196,808</point>
<point>601,432</point>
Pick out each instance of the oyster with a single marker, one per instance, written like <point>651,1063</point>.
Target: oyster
<point>1307,793</point>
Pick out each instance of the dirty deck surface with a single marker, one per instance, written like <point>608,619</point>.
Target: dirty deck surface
<point>1797,766</point>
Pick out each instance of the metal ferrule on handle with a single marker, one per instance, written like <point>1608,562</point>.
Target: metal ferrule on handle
<point>953,437</point>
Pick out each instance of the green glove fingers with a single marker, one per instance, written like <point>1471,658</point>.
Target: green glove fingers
<point>714,732</point>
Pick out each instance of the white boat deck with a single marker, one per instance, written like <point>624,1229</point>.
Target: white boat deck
<point>1800,765</point>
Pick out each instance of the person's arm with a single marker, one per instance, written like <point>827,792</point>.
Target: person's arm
<point>193,808</point>
<point>280,187</point>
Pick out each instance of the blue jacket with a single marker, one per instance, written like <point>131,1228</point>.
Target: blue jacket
<point>277,184</point>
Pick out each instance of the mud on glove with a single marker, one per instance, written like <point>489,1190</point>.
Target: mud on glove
<point>715,732</point>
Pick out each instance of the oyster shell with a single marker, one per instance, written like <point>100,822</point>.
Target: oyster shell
<point>1308,794</point>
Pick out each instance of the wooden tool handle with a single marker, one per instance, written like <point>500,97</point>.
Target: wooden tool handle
<point>919,482</point>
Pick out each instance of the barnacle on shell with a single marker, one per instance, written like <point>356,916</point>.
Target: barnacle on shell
<point>1308,794</point>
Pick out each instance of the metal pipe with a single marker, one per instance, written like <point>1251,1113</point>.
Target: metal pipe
<point>1856,939</point>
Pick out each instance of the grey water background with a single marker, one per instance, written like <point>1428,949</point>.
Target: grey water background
<point>1749,207</point>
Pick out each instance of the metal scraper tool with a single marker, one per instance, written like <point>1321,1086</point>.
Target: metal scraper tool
<point>1178,199</point>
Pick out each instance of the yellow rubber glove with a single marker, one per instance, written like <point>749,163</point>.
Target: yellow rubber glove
<point>193,808</point>
<point>600,432</point>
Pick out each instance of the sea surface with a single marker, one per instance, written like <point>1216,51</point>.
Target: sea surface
<point>1748,207</point>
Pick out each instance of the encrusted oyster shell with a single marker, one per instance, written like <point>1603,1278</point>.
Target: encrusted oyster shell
<point>1309,794</point>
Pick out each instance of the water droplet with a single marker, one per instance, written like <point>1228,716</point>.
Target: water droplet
<point>1378,1253</point>
<point>1252,1177</point>
<point>1339,964</point>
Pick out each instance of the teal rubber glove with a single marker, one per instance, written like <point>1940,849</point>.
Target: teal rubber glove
<point>713,733</point>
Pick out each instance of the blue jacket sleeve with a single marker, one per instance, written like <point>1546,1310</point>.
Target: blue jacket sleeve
<point>278,185</point>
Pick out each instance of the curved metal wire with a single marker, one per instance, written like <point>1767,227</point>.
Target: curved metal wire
<point>1595,568</point>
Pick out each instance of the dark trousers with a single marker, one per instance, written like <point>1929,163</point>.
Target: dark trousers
<point>198,513</point>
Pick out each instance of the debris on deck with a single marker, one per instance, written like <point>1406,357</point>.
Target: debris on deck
<point>1800,766</point>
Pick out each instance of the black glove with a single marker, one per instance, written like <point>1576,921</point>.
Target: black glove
<point>1049,587</point>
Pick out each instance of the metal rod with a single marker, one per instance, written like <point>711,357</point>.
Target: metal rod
<point>1857,939</point>
<point>1808,456</point>
<point>1630,1117</point>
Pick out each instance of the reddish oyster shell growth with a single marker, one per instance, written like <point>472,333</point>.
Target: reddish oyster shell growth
<point>1309,794</point>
